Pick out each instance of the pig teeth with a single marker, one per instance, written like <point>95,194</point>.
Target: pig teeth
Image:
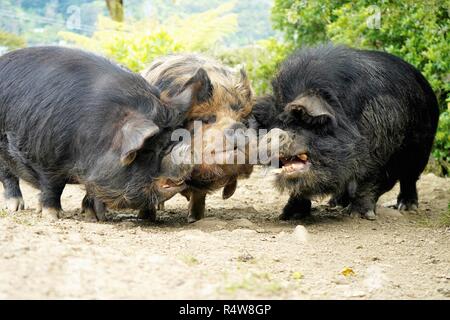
<point>303,157</point>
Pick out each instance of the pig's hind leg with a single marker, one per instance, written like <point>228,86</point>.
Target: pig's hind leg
<point>364,199</point>
<point>413,162</point>
<point>12,194</point>
<point>407,199</point>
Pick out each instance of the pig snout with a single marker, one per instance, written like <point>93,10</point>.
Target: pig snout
<point>273,144</point>
<point>236,135</point>
<point>177,164</point>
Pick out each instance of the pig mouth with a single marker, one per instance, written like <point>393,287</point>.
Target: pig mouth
<point>291,165</point>
<point>169,186</point>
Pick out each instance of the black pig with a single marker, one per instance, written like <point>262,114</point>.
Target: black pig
<point>68,116</point>
<point>357,122</point>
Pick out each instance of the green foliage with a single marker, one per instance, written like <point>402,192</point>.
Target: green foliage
<point>253,15</point>
<point>442,141</point>
<point>260,61</point>
<point>417,31</point>
<point>11,41</point>
<point>136,44</point>
<point>414,30</point>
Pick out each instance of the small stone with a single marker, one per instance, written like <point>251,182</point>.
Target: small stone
<point>300,233</point>
<point>445,292</point>
<point>376,259</point>
<point>356,294</point>
<point>245,257</point>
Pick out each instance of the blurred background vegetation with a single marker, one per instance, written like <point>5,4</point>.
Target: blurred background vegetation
<point>255,34</point>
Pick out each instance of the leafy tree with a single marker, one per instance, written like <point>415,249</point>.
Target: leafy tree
<point>115,8</point>
<point>136,44</point>
<point>11,41</point>
<point>416,31</point>
<point>260,60</point>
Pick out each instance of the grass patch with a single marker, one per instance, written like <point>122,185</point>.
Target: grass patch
<point>262,283</point>
<point>190,260</point>
<point>3,214</point>
<point>445,217</point>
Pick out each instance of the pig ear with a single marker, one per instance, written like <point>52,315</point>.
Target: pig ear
<point>134,133</point>
<point>315,108</point>
<point>196,90</point>
<point>229,189</point>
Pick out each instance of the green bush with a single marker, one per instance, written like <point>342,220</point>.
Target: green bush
<point>135,44</point>
<point>11,41</point>
<point>441,150</point>
<point>260,61</point>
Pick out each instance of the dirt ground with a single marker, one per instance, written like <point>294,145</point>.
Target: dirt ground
<point>239,251</point>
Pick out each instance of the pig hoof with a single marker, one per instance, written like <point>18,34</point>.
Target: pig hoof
<point>51,213</point>
<point>370,215</point>
<point>89,215</point>
<point>161,206</point>
<point>407,206</point>
<point>14,204</point>
<point>147,214</point>
<point>294,215</point>
<point>39,208</point>
<point>192,219</point>
<point>355,215</point>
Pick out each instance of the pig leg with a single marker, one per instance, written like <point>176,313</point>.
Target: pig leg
<point>196,206</point>
<point>363,204</point>
<point>161,206</point>
<point>51,199</point>
<point>407,199</point>
<point>298,207</point>
<point>341,199</point>
<point>93,208</point>
<point>12,194</point>
<point>148,214</point>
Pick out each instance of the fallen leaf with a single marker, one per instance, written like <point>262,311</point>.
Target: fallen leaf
<point>297,275</point>
<point>347,271</point>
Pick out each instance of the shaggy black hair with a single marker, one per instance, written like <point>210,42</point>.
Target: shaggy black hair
<point>366,119</point>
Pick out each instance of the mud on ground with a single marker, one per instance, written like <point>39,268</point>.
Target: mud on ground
<point>241,250</point>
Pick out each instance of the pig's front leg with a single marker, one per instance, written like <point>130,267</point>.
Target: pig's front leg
<point>12,194</point>
<point>298,207</point>
<point>364,202</point>
<point>196,206</point>
<point>50,198</point>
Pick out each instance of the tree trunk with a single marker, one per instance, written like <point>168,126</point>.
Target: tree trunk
<point>115,8</point>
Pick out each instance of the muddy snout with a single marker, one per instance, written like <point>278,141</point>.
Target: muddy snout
<point>176,166</point>
<point>274,144</point>
<point>227,145</point>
